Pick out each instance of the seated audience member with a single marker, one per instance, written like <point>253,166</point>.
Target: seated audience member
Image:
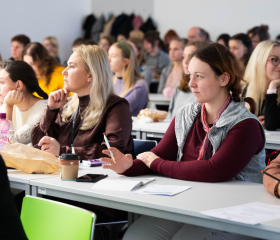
<point>272,185</point>
<point>127,82</point>
<point>263,80</point>
<point>10,224</point>
<point>183,94</point>
<point>156,58</point>
<point>0,58</point>
<point>213,139</point>
<point>23,110</point>
<point>94,109</point>
<point>168,37</point>
<point>258,34</point>
<point>136,34</point>
<point>81,41</point>
<point>49,74</point>
<point>106,42</point>
<point>18,44</point>
<point>51,44</point>
<point>241,46</point>
<point>278,38</point>
<point>171,75</point>
<point>223,39</point>
<point>197,34</point>
<point>138,47</point>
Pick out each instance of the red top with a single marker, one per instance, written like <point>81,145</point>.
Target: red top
<point>243,141</point>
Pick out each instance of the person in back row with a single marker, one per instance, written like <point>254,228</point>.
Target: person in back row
<point>156,58</point>
<point>49,74</point>
<point>94,110</point>
<point>241,46</point>
<point>23,110</point>
<point>213,139</point>
<point>183,94</point>
<point>18,44</point>
<point>263,81</point>
<point>197,34</point>
<point>127,82</point>
<point>171,75</point>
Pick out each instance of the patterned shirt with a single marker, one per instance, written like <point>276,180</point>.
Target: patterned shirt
<point>159,61</point>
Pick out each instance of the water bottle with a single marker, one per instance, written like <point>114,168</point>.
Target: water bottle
<point>4,130</point>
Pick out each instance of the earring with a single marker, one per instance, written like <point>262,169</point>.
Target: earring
<point>88,80</point>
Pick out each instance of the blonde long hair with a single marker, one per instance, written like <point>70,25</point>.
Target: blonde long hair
<point>54,43</point>
<point>255,75</point>
<point>131,72</point>
<point>97,63</point>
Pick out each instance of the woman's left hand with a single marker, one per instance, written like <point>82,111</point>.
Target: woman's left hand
<point>14,97</point>
<point>147,158</point>
<point>50,145</point>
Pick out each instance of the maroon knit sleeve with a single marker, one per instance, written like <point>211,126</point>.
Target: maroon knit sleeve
<point>166,149</point>
<point>243,141</point>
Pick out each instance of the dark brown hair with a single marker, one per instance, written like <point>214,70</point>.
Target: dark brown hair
<point>184,83</point>
<point>261,31</point>
<point>24,40</point>
<point>19,70</point>
<point>221,60</point>
<point>82,41</point>
<point>42,59</point>
<point>247,42</point>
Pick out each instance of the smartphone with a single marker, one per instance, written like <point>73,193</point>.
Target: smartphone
<point>91,178</point>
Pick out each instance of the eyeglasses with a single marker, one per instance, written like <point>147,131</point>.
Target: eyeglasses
<point>275,61</point>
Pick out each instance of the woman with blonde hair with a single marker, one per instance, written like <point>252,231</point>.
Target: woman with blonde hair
<point>92,111</point>
<point>51,44</point>
<point>47,70</point>
<point>263,79</point>
<point>127,82</point>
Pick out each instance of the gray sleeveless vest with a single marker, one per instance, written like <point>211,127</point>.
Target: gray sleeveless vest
<point>233,114</point>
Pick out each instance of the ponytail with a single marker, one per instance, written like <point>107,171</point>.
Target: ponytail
<point>19,70</point>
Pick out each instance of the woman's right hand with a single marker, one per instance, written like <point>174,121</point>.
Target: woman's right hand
<point>123,162</point>
<point>58,98</point>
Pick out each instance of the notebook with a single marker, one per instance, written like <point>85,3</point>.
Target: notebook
<point>122,183</point>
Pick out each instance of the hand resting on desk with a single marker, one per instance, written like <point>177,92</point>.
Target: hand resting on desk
<point>123,161</point>
<point>147,158</point>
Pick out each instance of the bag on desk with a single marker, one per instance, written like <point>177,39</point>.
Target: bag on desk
<point>29,159</point>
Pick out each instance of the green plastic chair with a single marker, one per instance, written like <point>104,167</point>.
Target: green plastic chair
<point>50,220</point>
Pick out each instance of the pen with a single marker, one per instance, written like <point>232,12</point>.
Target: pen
<point>36,145</point>
<point>270,176</point>
<point>108,146</point>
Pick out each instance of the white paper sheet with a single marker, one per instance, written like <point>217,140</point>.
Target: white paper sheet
<point>166,190</point>
<point>121,183</point>
<point>250,213</point>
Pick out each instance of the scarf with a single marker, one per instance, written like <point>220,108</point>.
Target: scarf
<point>206,127</point>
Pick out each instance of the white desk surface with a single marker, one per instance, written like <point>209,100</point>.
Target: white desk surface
<point>158,98</point>
<point>184,207</point>
<point>272,137</point>
<point>21,180</point>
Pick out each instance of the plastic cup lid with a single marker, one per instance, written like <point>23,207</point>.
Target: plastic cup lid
<point>69,156</point>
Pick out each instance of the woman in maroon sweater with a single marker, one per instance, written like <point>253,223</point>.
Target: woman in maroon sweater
<point>211,140</point>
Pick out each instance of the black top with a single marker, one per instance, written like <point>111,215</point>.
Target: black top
<point>10,224</point>
<point>271,112</point>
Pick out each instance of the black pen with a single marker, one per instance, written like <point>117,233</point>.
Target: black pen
<point>36,145</point>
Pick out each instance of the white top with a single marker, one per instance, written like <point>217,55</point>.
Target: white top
<point>24,122</point>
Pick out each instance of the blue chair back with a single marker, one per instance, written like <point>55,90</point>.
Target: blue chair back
<point>143,145</point>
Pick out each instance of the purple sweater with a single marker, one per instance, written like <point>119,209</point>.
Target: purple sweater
<point>137,96</point>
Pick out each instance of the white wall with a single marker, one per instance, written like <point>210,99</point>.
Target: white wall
<point>144,8</point>
<point>38,19</point>
<point>216,16</point>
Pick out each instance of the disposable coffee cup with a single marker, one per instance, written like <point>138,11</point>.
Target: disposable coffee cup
<point>69,166</point>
